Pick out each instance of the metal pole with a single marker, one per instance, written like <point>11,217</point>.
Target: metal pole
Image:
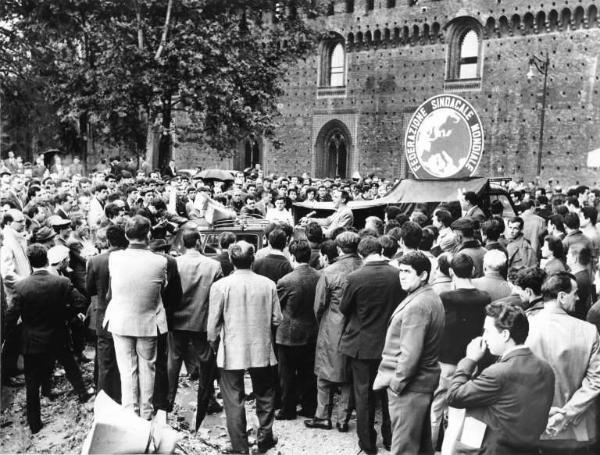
<point>543,116</point>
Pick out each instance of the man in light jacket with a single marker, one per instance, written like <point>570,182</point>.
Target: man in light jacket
<point>572,348</point>
<point>243,309</point>
<point>409,368</point>
<point>135,315</point>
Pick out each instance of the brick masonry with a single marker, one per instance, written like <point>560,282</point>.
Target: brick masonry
<point>401,62</point>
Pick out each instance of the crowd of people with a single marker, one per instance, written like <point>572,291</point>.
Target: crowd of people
<point>474,331</point>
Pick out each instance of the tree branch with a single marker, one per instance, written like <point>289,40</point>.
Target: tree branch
<point>163,38</point>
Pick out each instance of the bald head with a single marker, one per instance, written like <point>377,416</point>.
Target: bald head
<point>241,254</point>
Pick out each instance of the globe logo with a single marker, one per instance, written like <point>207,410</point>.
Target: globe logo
<point>444,139</point>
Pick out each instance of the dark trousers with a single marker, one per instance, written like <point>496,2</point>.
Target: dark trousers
<point>38,370</point>
<point>187,345</point>
<point>363,376</point>
<point>108,371</point>
<point>232,390</point>
<point>297,378</point>
<point>160,398</point>
<point>11,351</point>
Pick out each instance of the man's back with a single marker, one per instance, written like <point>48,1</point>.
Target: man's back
<point>42,300</point>
<point>494,284</point>
<point>98,283</point>
<point>370,297</point>
<point>575,360</point>
<point>475,251</point>
<point>197,273</point>
<point>534,227</point>
<point>243,308</point>
<point>272,266</point>
<point>497,397</point>
<point>465,313</point>
<point>137,276</point>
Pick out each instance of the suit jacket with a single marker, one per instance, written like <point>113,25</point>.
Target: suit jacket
<point>171,293</point>
<point>197,273</point>
<point>137,276</point>
<point>534,227</point>
<point>14,264</point>
<point>520,253</point>
<point>494,284</point>
<point>273,266</point>
<point>412,344</point>
<point>370,297</point>
<point>342,217</point>
<point>226,265</point>
<point>97,280</point>
<point>575,360</point>
<point>44,302</point>
<point>330,364</point>
<point>243,308</point>
<point>296,292</point>
<point>498,396</point>
<point>476,213</point>
<point>475,251</point>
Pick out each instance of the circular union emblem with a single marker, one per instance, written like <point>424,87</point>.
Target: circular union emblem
<point>444,139</point>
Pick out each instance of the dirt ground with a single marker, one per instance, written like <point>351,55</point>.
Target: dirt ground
<point>66,424</point>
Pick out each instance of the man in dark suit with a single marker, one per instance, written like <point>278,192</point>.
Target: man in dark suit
<point>297,334</point>
<point>44,302</point>
<point>518,377</point>
<point>98,284</point>
<point>371,295</point>
<point>274,265</point>
<point>225,239</point>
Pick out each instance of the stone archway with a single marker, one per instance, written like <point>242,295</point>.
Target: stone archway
<point>333,150</point>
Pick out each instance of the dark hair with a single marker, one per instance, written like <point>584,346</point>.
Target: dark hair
<point>444,263</point>
<point>471,197</point>
<point>555,246</point>
<point>368,233</point>
<point>389,246</point>
<point>137,228</point>
<point>241,255</point>
<point>517,219</point>
<point>573,201</point>
<point>561,210</point>
<point>572,220</point>
<point>314,232</point>
<point>402,218</point>
<point>557,221</point>
<point>462,266</point>
<point>61,198</point>
<point>345,196</point>
<point>581,252</point>
<point>99,187</point>
<point>493,228</point>
<point>115,235</point>
<point>277,239</point>
<point>419,217</point>
<point>418,261</point>
<point>369,245</point>
<point>112,210</point>
<point>508,316</point>
<point>300,249</point>
<point>226,238</point>
<point>557,282</point>
<point>348,242</point>
<point>496,207</point>
<point>190,238</point>
<point>391,224</point>
<point>532,278</point>
<point>444,217</point>
<point>329,248</point>
<point>590,213</point>
<point>392,211</point>
<point>427,238</point>
<point>411,234</point>
<point>38,255</point>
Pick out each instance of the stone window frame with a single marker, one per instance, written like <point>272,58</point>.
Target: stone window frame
<point>326,48</point>
<point>456,31</point>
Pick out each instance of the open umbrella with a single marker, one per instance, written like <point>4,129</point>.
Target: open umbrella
<point>215,174</point>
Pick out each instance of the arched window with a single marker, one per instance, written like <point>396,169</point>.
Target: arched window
<point>464,49</point>
<point>469,51</point>
<point>336,67</point>
<point>332,69</point>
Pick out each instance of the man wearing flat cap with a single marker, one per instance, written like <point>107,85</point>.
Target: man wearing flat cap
<point>464,229</point>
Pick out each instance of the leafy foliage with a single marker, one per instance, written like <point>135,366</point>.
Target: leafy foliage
<point>126,66</point>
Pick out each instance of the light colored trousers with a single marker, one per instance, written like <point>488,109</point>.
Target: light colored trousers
<point>136,358</point>
<point>325,390</point>
<point>439,404</point>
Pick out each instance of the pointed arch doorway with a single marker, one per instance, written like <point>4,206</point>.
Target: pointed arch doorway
<point>333,150</point>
